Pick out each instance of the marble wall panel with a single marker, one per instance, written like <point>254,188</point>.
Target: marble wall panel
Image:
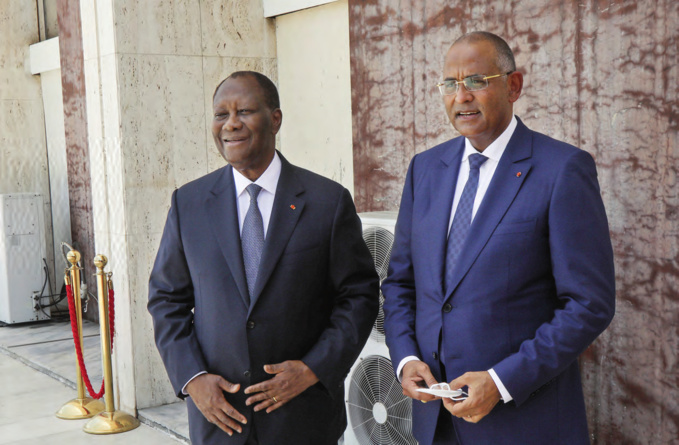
<point>19,30</point>
<point>23,149</point>
<point>123,362</point>
<point>162,122</point>
<point>602,75</point>
<point>236,29</point>
<point>157,27</point>
<point>151,381</point>
<point>630,114</point>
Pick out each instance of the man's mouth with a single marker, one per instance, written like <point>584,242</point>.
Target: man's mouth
<point>234,139</point>
<point>467,113</point>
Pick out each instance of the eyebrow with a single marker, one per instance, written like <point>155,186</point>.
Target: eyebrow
<point>471,75</point>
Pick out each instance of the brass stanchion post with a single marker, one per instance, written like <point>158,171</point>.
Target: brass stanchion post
<point>81,407</point>
<point>109,421</point>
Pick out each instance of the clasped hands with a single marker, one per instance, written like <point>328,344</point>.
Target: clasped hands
<point>290,379</point>
<point>483,393</point>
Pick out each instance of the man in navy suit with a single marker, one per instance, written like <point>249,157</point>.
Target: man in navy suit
<point>263,291</point>
<point>502,268</point>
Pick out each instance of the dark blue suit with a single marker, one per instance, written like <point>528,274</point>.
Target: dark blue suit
<point>315,300</point>
<point>533,287</point>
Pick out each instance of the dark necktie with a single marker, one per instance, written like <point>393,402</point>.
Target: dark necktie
<point>252,239</point>
<point>463,217</point>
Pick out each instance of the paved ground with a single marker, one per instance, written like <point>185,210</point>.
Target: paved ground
<point>37,374</point>
<point>29,400</point>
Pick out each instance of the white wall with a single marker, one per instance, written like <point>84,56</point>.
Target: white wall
<point>314,80</point>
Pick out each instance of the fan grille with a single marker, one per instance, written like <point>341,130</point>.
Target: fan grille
<point>372,391</point>
<point>379,242</point>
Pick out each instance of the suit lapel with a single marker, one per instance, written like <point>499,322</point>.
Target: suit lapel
<point>501,192</point>
<point>287,208</point>
<point>223,211</point>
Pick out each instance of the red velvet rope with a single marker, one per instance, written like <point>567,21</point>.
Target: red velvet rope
<point>76,337</point>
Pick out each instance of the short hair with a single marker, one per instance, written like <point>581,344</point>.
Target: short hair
<point>505,57</point>
<point>268,87</point>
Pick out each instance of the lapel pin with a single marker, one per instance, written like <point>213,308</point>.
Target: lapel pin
<point>292,206</point>
<point>518,175</point>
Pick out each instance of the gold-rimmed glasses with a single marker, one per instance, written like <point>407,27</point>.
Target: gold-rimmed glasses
<point>476,82</point>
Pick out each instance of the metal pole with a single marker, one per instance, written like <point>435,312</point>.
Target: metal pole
<point>81,407</point>
<point>110,421</point>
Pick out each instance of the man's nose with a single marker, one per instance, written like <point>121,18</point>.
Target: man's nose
<point>233,122</point>
<point>463,95</point>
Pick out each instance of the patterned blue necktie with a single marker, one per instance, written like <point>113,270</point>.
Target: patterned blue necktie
<point>252,239</point>
<point>463,217</point>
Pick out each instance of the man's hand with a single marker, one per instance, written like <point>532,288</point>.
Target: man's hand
<point>206,392</point>
<point>416,374</point>
<point>291,378</point>
<point>483,396</point>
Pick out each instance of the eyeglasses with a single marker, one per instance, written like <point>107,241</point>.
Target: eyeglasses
<point>477,82</point>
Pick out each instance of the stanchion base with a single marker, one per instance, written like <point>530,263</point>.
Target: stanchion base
<point>80,409</point>
<point>111,423</point>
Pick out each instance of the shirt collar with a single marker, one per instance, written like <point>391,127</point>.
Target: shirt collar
<point>495,150</point>
<point>268,180</point>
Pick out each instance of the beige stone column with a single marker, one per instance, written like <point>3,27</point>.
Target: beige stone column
<point>150,73</point>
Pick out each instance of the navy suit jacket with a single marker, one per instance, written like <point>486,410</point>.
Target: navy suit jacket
<point>534,286</point>
<point>315,300</point>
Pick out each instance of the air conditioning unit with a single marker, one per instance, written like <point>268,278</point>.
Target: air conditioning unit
<point>379,413</point>
<point>22,249</point>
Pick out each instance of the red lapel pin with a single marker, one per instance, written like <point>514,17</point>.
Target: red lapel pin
<point>292,206</point>
<point>518,175</point>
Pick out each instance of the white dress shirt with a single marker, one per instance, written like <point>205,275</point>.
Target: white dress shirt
<point>493,152</point>
<point>269,182</point>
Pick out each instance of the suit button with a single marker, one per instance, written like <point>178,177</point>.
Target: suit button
<point>447,307</point>
<point>251,324</point>
<point>247,373</point>
<point>435,355</point>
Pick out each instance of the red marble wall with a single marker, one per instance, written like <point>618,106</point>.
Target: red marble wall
<point>602,75</point>
<point>77,151</point>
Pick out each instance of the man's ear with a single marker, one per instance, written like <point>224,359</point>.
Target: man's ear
<point>515,85</point>
<point>277,120</point>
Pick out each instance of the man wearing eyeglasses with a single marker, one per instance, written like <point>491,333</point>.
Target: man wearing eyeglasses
<point>501,273</point>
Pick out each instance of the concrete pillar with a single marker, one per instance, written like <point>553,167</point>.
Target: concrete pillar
<point>150,71</point>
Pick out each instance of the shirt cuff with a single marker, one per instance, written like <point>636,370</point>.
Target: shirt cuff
<point>410,358</point>
<point>506,397</point>
<point>190,380</point>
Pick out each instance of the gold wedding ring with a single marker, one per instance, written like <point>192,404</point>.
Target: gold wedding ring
<point>274,399</point>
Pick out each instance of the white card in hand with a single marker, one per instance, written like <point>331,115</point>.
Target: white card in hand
<point>441,391</point>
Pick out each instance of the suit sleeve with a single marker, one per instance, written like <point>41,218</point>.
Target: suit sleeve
<point>399,286</point>
<point>171,301</point>
<point>583,272</point>
<point>355,286</point>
